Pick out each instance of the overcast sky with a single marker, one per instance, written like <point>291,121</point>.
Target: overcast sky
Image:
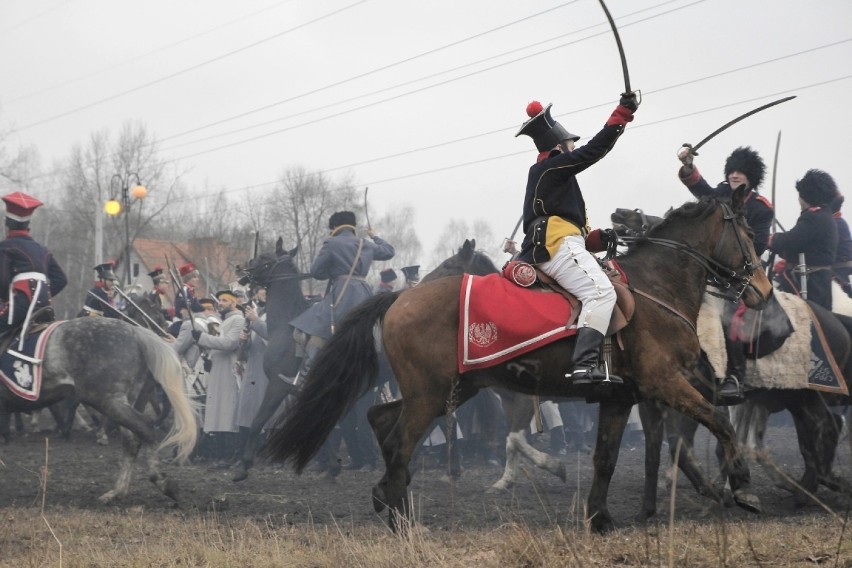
<point>420,100</point>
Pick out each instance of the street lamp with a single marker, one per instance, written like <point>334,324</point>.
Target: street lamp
<point>113,208</point>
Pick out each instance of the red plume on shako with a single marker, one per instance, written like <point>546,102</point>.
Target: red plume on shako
<point>534,108</point>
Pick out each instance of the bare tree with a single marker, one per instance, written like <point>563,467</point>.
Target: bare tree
<point>456,231</point>
<point>300,207</point>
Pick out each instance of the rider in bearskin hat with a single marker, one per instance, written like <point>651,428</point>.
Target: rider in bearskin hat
<point>29,275</point>
<point>556,227</point>
<point>815,235</point>
<point>743,167</point>
<point>842,266</point>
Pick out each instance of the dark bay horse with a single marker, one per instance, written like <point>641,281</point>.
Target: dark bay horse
<point>277,272</point>
<point>668,272</point>
<point>817,428</point>
<point>105,363</point>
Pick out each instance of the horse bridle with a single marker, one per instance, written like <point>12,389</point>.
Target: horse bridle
<point>732,282</point>
<point>250,274</point>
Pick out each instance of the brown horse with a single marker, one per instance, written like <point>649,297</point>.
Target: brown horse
<point>668,271</point>
<point>817,428</point>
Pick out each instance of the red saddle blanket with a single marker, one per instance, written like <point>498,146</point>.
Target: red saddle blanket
<point>499,320</point>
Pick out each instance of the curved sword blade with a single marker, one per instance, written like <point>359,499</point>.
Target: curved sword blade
<point>627,88</point>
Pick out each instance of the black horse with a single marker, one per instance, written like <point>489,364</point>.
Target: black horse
<point>277,272</point>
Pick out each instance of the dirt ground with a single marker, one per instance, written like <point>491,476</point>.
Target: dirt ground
<point>80,470</point>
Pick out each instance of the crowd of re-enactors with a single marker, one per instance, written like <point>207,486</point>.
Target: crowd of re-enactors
<point>221,339</point>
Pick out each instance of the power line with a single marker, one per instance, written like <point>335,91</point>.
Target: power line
<point>144,55</point>
<point>372,72</point>
<point>191,68</point>
<point>32,18</point>
<point>374,182</point>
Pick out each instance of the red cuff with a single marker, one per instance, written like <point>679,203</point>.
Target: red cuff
<point>593,241</point>
<point>780,266</point>
<point>620,116</point>
<point>691,179</point>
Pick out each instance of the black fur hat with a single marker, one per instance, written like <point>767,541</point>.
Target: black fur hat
<point>817,188</point>
<point>749,162</point>
<point>837,202</point>
<point>341,218</point>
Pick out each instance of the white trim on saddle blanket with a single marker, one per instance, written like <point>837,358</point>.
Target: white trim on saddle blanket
<point>501,320</point>
<point>26,379</point>
<point>787,368</point>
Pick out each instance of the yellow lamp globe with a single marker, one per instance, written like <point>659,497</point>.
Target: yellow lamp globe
<point>139,192</point>
<point>112,207</point>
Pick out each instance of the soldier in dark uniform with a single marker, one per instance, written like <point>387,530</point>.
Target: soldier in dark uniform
<point>29,275</point>
<point>743,167</point>
<point>842,266</point>
<point>556,226</point>
<point>160,290</point>
<point>185,298</point>
<point>102,299</point>
<point>388,281</point>
<point>815,235</point>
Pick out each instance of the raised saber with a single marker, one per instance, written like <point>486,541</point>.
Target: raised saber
<point>775,223</point>
<point>367,211</point>
<point>620,48</point>
<point>694,149</point>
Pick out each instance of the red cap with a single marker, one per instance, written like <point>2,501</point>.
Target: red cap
<point>187,268</point>
<point>20,206</point>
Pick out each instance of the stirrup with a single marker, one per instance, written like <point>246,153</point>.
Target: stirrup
<point>598,374</point>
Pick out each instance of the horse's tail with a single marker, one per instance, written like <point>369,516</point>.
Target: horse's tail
<point>340,374</point>
<point>164,366</point>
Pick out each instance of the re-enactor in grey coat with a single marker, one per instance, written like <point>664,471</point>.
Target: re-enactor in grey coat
<point>334,262</point>
<point>222,392</point>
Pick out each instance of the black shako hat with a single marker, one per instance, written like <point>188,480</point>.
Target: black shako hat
<point>545,132</point>
<point>105,272</point>
<point>412,273</point>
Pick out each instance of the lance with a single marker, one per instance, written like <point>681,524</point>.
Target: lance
<point>148,318</point>
<point>694,149</point>
<point>179,290</point>
<point>104,302</point>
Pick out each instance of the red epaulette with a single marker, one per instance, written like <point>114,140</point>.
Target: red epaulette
<point>814,208</point>
<point>764,201</point>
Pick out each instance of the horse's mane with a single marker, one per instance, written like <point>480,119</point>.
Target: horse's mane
<point>691,210</point>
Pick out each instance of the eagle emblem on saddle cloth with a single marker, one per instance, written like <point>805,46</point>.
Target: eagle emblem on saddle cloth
<point>482,334</point>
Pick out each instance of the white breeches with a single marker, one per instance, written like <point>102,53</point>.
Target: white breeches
<point>577,270</point>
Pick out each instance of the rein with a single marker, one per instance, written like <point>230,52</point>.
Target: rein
<point>719,275</point>
<point>250,273</point>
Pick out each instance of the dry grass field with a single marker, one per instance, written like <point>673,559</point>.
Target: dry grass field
<point>278,519</point>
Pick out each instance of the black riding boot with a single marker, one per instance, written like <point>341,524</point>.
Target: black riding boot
<point>587,368</point>
<point>730,391</point>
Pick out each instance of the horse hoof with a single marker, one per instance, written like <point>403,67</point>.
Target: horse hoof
<point>107,497</point>
<point>378,499</point>
<point>498,488</point>
<point>747,501</point>
<point>601,524</point>
<point>241,475</point>
<point>171,489</point>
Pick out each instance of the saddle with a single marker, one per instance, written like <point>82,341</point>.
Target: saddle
<point>625,304</point>
<point>42,317</point>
